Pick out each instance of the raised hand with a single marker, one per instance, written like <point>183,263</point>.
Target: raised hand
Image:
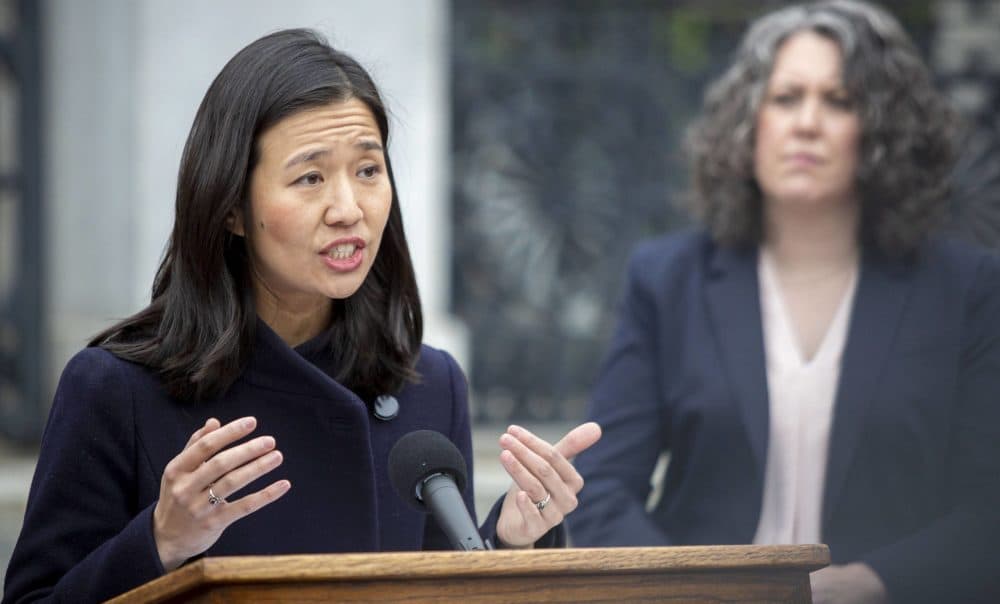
<point>192,510</point>
<point>545,483</point>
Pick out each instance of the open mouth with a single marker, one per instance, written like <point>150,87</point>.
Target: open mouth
<point>342,251</point>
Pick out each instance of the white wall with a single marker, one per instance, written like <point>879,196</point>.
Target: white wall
<point>124,80</point>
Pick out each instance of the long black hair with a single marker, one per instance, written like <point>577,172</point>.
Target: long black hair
<point>198,331</point>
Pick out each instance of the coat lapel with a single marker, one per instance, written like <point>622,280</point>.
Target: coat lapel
<point>734,307</point>
<point>878,305</point>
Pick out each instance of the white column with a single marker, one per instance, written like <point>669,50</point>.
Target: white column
<point>88,171</point>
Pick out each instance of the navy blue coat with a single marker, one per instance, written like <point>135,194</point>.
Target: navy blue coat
<point>87,532</point>
<point>913,477</point>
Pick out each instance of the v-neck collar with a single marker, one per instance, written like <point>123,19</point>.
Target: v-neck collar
<point>782,341</point>
<point>733,300</point>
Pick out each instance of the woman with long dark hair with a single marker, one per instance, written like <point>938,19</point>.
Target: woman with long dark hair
<point>820,366</point>
<point>283,339</point>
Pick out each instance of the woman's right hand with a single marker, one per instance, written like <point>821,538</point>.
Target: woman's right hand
<point>185,521</point>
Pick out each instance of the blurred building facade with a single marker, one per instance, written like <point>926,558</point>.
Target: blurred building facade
<point>533,142</point>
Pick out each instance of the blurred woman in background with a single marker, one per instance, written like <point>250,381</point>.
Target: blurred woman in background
<point>819,367</point>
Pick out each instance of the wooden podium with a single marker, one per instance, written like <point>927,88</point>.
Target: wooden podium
<point>739,573</point>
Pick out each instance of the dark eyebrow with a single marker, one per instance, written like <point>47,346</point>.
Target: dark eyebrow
<point>306,156</point>
<point>368,146</point>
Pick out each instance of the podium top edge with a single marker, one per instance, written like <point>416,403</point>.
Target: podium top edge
<point>554,564</point>
<point>516,562</point>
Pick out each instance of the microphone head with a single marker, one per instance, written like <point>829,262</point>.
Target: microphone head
<point>420,454</point>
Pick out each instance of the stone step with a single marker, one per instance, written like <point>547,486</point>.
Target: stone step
<point>16,468</point>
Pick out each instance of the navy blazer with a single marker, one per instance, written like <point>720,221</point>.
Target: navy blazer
<point>87,532</point>
<point>913,477</point>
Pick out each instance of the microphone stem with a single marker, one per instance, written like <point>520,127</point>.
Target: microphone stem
<point>441,495</point>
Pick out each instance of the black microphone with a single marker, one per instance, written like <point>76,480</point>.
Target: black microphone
<point>428,472</point>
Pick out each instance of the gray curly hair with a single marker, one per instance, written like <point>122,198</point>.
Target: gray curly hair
<point>906,148</point>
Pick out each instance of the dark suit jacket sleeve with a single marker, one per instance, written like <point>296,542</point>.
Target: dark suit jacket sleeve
<point>82,538</point>
<point>959,549</point>
<point>627,404</point>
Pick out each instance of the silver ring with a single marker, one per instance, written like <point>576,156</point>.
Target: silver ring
<point>214,499</point>
<point>541,504</point>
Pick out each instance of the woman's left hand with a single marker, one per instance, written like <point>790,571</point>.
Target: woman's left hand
<point>545,483</point>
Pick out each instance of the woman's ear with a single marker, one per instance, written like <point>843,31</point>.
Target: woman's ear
<point>234,222</point>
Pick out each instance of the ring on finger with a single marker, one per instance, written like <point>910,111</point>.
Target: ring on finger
<point>544,502</point>
<point>214,499</point>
